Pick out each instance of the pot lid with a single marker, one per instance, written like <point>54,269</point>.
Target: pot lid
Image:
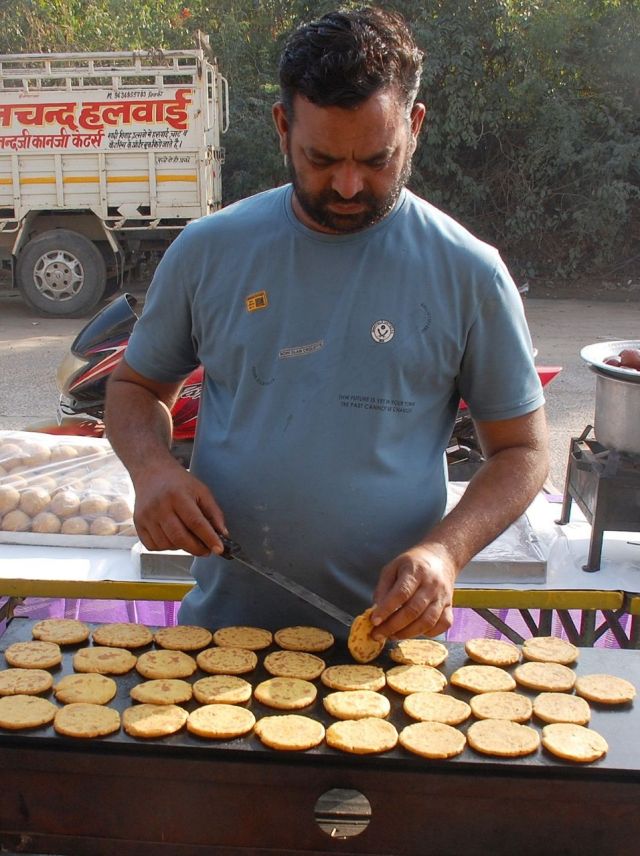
<point>596,354</point>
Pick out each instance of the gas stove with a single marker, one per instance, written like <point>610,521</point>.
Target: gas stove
<point>605,483</point>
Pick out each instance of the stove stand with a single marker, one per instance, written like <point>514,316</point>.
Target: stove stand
<point>606,485</point>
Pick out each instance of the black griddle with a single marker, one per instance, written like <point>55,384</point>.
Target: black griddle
<point>183,794</point>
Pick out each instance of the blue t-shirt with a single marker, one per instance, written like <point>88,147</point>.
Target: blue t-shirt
<point>333,369</point>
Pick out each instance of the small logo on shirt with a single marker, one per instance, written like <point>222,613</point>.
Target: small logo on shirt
<point>300,350</point>
<point>256,301</point>
<point>382,331</point>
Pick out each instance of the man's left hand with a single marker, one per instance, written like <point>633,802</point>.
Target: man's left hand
<point>414,595</point>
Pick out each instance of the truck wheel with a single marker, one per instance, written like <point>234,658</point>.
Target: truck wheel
<point>61,273</point>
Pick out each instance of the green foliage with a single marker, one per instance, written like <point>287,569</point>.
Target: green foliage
<point>533,130</point>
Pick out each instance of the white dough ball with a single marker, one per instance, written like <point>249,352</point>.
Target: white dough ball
<point>9,498</point>
<point>46,522</point>
<point>94,505</point>
<point>10,455</point>
<point>75,526</point>
<point>65,503</point>
<point>16,521</point>
<point>120,510</point>
<point>33,500</point>
<point>35,454</point>
<point>103,526</point>
<point>64,452</point>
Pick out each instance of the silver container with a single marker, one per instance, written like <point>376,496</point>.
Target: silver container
<point>617,416</point>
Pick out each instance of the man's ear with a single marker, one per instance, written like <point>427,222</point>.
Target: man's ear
<point>281,121</point>
<point>418,112</point>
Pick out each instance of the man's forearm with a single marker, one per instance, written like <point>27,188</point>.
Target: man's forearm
<point>138,425</point>
<point>496,496</point>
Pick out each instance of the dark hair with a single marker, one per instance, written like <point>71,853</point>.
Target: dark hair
<point>345,57</point>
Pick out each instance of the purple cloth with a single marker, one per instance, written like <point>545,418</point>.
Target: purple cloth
<point>466,623</point>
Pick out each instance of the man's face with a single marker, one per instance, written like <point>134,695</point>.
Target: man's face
<point>348,166</point>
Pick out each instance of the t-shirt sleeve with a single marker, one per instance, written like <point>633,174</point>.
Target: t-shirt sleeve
<point>161,346</point>
<point>498,378</point>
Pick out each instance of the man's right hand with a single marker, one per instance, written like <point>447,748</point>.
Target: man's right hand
<point>176,511</point>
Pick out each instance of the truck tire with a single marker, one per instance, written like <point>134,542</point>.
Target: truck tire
<point>61,273</point>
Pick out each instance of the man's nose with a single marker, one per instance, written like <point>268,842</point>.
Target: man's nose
<point>347,180</point>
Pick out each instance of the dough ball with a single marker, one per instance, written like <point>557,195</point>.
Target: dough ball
<point>94,505</point>
<point>127,529</point>
<point>75,526</point>
<point>18,482</point>
<point>101,485</point>
<point>65,503</point>
<point>3,472</point>
<point>76,485</point>
<point>44,480</point>
<point>10,456</point>
<point>35,454</point>
<point>33,500</point>
<point>120,510</point>
<point>9,498</point>
<point>64,452</point>
<point>46,521</point>
<point>103,526</point>
<point>16,521</point>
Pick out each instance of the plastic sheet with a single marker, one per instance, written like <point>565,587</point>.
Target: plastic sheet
<point>63,491</point>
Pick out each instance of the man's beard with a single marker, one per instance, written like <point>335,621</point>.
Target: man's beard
<point>316,206</point>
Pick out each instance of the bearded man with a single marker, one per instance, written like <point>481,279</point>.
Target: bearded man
<point>339,319</point>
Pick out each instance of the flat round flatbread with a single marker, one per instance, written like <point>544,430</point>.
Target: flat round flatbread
<point>162,691</point>
<point>227,661</point>
<point>432,739</point>
<point>483,679</point>
<point>25,711</point>
<point>63,631</point>
<point>183,637</point>
<point>492,652</point>
<point>561,707</point>
<point>303,638</point>
<point>153,720</point>
<point>285,693</point>
<point>290,732</point>
<point>351,677</point>
<point>362,736</point>
<point>605,689</point>
<point>502,705</point>
<point>546,677</point>
<point>165,664</point>
<point>90,688</point>
<point>502,738</point>
<point>436,707</point>
<point>253,638</point>
<point>550,649</point>
<point>104,660</point>
<point>419,652</point>
<point>81,719</point>
<point>24,682</point>
<point>220,721</point>
<point>222,689</point>
<point>409,678</point>
<point>122,635</point>
<point>356,704</point>
<point>33,655</point>
<point>362,646</point>
<point>294,664</point>
<point>574,742</point>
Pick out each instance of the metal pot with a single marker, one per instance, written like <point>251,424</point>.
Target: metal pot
<point>617,416</point>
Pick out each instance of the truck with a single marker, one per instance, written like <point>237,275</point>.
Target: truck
<point>104,158</point>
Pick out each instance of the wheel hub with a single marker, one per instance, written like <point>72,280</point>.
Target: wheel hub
<point>58,275</point>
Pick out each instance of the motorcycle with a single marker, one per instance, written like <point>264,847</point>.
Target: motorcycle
<point>98,348</point>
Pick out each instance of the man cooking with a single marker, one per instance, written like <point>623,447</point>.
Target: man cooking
<point>339,320</point>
